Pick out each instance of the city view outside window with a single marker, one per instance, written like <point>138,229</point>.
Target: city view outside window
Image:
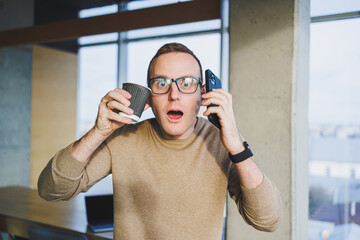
<point>334,124</point>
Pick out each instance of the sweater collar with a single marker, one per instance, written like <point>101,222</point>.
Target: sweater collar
<point>175,143</point>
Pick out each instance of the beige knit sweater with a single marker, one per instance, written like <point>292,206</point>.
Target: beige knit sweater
<point>164,189</point>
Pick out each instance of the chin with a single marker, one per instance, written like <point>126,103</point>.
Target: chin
<point>174,131</point>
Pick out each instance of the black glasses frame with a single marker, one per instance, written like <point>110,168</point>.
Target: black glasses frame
<point>199,81</point>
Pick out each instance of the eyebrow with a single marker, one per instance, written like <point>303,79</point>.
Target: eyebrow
<point>162,76</point>
<point>159,76</point>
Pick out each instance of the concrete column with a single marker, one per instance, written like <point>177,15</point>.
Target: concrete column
<point>15,105</point>
<point>15,96</point>
<point>269,48</point>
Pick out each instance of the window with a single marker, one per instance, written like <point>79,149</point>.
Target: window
<point>97,74</point>
<point>327,7</point>
<point>334,124</point>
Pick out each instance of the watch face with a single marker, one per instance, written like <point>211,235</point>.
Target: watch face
<point>250,149</point>
<point>247,153</point>
<point>247,146</point>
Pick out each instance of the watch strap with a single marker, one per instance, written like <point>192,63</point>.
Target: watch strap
<point>242,156</point>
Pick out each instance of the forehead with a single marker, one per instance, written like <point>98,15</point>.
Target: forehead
<point>175,64</point>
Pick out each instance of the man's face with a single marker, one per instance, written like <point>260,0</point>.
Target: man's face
<point>175,111</point>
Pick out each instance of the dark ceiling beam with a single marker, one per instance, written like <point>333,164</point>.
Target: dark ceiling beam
<point>183,12</point>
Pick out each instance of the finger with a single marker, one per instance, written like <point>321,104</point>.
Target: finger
<point>115,105</point>
<point>216,101</point>
<point>224,93</point>
<point>118,95</point>
<point>118,118</point>
<point>219,90</point>
<point>103,107</point>
<point>214,95</point>
<point>213,110</point>
<point>103,100</point>
<point>123,92</point>
<point>215,92</point>
<point>224,101</point>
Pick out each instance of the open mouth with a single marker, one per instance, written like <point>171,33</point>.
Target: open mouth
<point>175,114</point>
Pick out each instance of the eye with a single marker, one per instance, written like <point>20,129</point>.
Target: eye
<point>186,82</point>
<point>161,83</point>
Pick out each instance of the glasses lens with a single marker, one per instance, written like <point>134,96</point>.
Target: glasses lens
<point>187,84</point>
<point>160,85</point>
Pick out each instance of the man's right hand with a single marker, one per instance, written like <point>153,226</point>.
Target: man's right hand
<point>107,121</point>
<point>108,118</point>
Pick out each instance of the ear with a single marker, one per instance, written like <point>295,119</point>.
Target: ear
<point>203,89</point>
<point>146,106</point>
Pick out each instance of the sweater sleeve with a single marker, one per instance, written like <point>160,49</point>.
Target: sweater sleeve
<point>64,177</point>
<point>260,207</point>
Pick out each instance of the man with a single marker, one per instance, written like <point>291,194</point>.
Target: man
<point>171,173</point>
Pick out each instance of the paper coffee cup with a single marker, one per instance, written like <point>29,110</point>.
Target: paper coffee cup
<point>139,97</point>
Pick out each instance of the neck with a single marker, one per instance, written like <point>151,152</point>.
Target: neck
<point>184,135</point>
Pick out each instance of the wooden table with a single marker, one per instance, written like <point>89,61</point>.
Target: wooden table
<point>21,207</point>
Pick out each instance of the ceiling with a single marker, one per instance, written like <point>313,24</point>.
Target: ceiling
<point>48,11</point>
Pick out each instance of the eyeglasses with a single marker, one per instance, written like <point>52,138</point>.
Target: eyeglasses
<point>187,85</point>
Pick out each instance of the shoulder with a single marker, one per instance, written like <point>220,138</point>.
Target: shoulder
<point>209,133</point>
<point>210,136</point>
<point>204,128</point>
<point>130,130</point>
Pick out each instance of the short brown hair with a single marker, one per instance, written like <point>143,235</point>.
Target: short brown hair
<point>168,48</point>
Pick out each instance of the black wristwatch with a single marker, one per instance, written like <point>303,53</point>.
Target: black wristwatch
<point>242,155</point>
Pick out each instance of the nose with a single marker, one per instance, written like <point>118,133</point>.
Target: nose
<point>174,93</point>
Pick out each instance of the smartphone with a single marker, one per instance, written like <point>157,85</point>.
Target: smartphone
<point>212,82</point>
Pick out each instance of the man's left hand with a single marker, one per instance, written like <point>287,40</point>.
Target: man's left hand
<point>229,133</point>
